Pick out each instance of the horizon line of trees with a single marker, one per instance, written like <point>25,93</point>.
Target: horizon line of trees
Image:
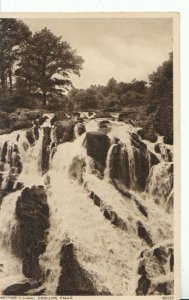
<point>115,95</point>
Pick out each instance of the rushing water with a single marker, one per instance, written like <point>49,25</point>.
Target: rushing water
<point>107,252</point>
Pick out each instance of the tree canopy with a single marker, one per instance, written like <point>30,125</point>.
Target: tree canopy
<point>46,65</point>
<point>14,34</point>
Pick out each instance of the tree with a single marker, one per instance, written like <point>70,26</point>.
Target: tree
<point>46,65</point>
<point>161,83</point>
<point>13,35</point>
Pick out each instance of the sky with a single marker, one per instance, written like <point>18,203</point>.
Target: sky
<point>123,48</point>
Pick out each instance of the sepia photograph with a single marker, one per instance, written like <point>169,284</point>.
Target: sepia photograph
<point>89,142</point>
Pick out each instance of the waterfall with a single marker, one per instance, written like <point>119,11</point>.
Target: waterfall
<point>10,266</point>
<point>104,234</point>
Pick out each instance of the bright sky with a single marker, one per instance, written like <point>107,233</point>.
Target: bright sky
<point>120,48</point>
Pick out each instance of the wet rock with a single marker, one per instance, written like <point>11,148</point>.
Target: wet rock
<point>144,234</point>
<point>148,135</point>
<point>32,115</point>
<point>102,114</point>
<point>151,136</point>
<point>119,165</point>
<point>108,212</point>
<point>157,148</point>
<point>155,264</point>
<point>64,131</point>
<point>17,289</point>
<point>21,125</point>
<point>45,149</point>
<point>136,141</point>
<point>1,166</point>
<point>19,185</point>
<point>36,132</point>
<point>4,120</point>
<point>80,128</point>
<point>97,145</point>
<point>32,213</point>
<point>74,280</point>
<point>41,120</point>
<point>143,285</point>
<point>164,151</point>
<point>58,116</point>
<point>77,169</point>
<point>30,136</point>
<point>131,170</point>
<point>4,152</point>
<point>168,139</point>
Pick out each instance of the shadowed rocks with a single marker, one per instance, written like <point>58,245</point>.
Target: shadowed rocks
<point>32,213</point>
<point>131,169</point>
<point>97,145</point>
<point>64,131</point>
<point>156,271</point>
<point>74,280</point>
<point>45,149</point>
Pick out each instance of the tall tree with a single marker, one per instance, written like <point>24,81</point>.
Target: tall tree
<point>161,83</point>
<point>13,35</point>
<point>46,65</point>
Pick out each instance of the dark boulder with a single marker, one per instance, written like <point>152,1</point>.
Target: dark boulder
<point>80,128</point>
<point>103,114</point>
<point>45,149</point>
<point>4,152</point>
<point>30,136</point>
<point>157,148</point>
<point>132,170</point>
<point>141,132</point>
<point>74,280</point>
<point>32,115</point>
<point>17,289</point>
<point>148,135</point>
<point>4,120</point>
<point>32,213</point>
<point>144,284</point>
<point>41,120</point>
<point>136,141</point>
<point>144,234</point>
<point>21,125</point>
<point>151,136</point>
<point>168,139</point>
<point>97,145</point>
<point>1,166</point>
<point>36,132</point>
<point>119,165</point>
<point>64,131</point>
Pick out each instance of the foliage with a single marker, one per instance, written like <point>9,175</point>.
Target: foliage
<point>13,36</point>
<point>46,65</point>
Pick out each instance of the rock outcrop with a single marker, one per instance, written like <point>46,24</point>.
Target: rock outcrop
<point>45,149</point>
<point>74,280</point>
<point>64,131</point>
<point>131,169</point>
<point>32,213</point>
<point>156,271</point>
<point>97,145</point>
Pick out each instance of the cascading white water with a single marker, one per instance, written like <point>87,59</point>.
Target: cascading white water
<point>105,251</point>
<point>10,266</point>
